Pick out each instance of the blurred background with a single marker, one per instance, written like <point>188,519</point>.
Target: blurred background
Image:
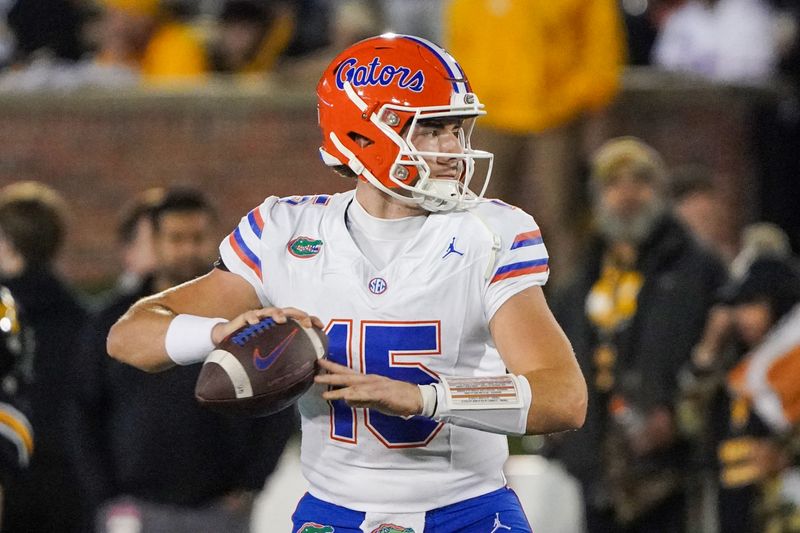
<point>104,100</point>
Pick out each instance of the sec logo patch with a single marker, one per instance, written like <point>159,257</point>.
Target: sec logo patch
<point>377,285</point>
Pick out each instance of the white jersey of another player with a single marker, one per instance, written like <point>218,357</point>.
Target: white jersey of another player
<point>423,315</point>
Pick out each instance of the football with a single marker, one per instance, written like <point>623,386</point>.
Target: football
<point>261,369</point>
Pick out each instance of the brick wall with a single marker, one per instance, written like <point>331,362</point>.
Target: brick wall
<point>98,150</point>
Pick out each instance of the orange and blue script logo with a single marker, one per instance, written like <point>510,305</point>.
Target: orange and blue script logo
<point>373,73</point>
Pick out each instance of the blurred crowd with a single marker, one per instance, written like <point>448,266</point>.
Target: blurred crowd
<point>692,422</point>
<point>69,43</point>
<point>689,344</point>
<point>66,44</point>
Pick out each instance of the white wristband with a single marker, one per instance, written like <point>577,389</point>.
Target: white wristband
<point>188,338</point>
<point>428,400</point>
<point>497,404</point>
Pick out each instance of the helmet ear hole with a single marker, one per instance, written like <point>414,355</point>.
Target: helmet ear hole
<point>359,139</point>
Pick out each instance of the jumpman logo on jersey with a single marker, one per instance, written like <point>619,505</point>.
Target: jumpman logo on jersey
<point>498,525</point>
<point>451,249</point>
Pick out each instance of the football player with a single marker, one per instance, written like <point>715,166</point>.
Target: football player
<point>441,341</point>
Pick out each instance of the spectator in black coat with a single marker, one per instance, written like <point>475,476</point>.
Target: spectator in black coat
<point>179,469</point>
<point>633,313</point>
<point>44,497</point>
<point>742,394</point>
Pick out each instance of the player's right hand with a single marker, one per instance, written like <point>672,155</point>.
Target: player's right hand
<point>389,396</point>
<point>254,316</point>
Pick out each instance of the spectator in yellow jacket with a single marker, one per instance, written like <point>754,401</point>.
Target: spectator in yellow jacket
<point>539,66</point>
<point>141,36</point>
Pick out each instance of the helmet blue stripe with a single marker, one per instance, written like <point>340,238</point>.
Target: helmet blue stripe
<point>438,53</point>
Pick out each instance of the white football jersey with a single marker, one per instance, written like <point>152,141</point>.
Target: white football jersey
<point>425,314</point>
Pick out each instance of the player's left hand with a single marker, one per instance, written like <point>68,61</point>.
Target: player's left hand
<point>372,391</point>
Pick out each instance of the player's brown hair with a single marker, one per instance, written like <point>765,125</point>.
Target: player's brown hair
<point>181,199</point>
<point>33,218</point>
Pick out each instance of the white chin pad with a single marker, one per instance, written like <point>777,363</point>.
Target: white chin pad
<point>442,187</point>
<point>440,194</point>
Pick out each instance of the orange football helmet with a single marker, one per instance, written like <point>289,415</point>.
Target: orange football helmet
<point>379,89</point>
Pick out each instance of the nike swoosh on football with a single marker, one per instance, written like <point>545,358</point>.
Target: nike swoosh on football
<point>263,362</point>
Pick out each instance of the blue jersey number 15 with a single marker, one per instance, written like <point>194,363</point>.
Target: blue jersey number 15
<point>396,350</point>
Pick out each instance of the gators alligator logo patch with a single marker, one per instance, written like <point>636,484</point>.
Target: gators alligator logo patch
<point>304,247</point>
